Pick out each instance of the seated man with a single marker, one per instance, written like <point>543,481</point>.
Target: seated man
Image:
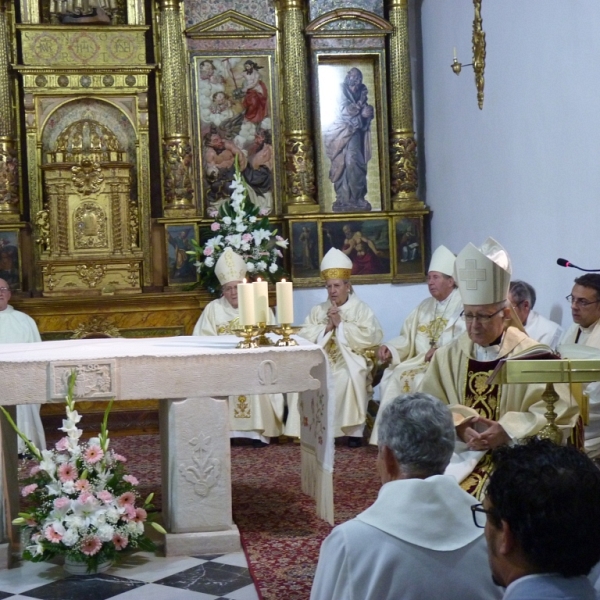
<point>345,327</point>
<point>418,540</point>
<point>435,322</point>
<point>543,521</point>
<point>488,415</point>
<point>522,297</point>
<point>258,417</point>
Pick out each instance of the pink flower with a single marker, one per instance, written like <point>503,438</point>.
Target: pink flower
<point>34,470</point>
<point>119,457</point>
<point>140,515</point>
<point>82,485</point>
<point>120,541</point>
<point>31,523</point>
<point>126,498</point>
<point>130,479</point>
<point>91,545</point>
<point>246,237</point>
<point>29,489</point>
<point>67,472</point>
<point>62,444</point>
<point>61,503</point>
<point>86,496</point>
<point>215,227</point>
<point>94,454</point>
<point>105,496</point>
<point>52,535</point>
<point>129,514</point>
<point>264,211</point>
<point>208,251</point>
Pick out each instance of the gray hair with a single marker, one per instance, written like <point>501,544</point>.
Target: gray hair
<point>419,430</point>
<point>521,291</point>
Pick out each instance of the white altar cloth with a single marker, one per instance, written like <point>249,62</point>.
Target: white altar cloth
<point>193,375</point>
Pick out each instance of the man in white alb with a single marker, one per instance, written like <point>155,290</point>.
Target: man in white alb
<point>346,328</point>
<point>17,327</point>
<point>258,417</point>
<point>522,297</point>
<point>434,323</point>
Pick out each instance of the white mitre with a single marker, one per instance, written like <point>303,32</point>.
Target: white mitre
<point>483,274</point>
<point>442,261</point>
<point>336,265</point>
<point>230,267</point>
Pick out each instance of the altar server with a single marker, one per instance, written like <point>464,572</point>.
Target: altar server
<point>254,416</point>
<point>17,327</point>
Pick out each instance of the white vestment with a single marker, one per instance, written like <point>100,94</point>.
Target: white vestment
<point>345,346</point>
<point>416,542</point>
<point>17,327</point>
<point>588,337</point>
<point>431,321</point>
<point>543,330</point>
<point>257,416</point>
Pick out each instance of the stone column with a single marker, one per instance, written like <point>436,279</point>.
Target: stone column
<point>9,165</point>
<point>403,146</point>
<point>299,152</point>
<point>178,193</point>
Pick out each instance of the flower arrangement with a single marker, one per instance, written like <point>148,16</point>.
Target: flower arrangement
<point>242,226</point>
<point>82,502</point>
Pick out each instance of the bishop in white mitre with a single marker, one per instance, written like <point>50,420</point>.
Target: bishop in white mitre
<point>432,324</point>
<point>256,416</point>
<point>346,328</point>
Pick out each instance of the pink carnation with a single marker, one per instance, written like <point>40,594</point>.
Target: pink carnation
<point>208,251</point>
<point>120,541</point>
<point>62,444</point>
<point>91,545</point>
<point>67,472</point>
<point>246,237</point>
<point>34,470</point>
<point>130,479</point>
<point>119,457</point>
<point>215,227</point>
<point>85,496</point>
<point>61,503</point>
<point>94,454</point>
<point>105,496</point>
<point>129,513</point>
<point>82,485</point>
<point>126,498</point>
<point>29,489</point>
<point>52,535</point>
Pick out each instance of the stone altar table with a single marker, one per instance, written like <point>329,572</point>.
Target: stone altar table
<point>192,376</point>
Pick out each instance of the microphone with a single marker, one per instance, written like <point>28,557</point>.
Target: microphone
<point>563,262</point>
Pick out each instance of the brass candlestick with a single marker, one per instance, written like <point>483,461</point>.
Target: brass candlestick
<point>261,339</point>
<point>550,431</point>
<point>285,330</point>
<point>247,332</point>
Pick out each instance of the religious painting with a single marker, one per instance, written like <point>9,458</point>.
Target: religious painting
<point>352,167</point>
<point>181,270</point>
<point>10,260</point>
<point>235,123</point>
<point>409,241</point>
<point>304,240</point>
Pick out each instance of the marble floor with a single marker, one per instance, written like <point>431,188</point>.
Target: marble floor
<point>138,576</point>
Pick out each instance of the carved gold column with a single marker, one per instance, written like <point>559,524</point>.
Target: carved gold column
<point>299,152</point>
<point>178,193</point>
<point>403,146</point>
<point>9,171</point>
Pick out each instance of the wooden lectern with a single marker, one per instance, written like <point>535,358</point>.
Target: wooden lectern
<point>573,372</point>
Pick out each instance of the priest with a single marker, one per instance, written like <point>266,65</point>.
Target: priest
<point>346,328</point>
<point>258,417</point>
<point>432,324</point>
<point>488,415</point>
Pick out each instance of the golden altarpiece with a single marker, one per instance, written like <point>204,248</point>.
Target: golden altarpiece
<point>116,117</point>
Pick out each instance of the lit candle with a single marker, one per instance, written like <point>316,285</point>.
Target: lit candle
<point>455,52</point>
<point>285,301</point>
<point>261,300</point>
<point>246,304</point>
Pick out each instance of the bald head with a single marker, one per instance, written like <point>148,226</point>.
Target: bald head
<point>4,294</point>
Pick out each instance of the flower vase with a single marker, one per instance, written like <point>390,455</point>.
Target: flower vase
<point>81,568</point>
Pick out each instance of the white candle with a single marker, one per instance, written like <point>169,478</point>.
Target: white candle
<point>285,301</point>
<point>261,300</point>
<point>455,52</point>
<point>246,304</point>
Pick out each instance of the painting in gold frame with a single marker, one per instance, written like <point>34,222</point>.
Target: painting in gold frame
<point>180,269</point>
<point>10,258</point>
<point>409,244</point>
<point>351,132</point>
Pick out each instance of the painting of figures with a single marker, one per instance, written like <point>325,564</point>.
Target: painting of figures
<point>9,258</point>
<point>235,122</point>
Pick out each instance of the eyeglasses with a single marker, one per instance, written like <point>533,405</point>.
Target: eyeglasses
<point>480,515</point>
<point>4,290</point>
<point>483,319</point>
<point>580,301</point>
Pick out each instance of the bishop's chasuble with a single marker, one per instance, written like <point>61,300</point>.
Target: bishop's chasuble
<point>262,413</point>
<point>458,376</point>
<point>431,324</point>
<point>345,346</point>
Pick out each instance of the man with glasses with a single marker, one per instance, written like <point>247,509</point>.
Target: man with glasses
<point>16,327</point>
<point>488,415</point>
<point>418,539</point>
<point>541,516</point>
<point>522,297</point>
<point>585,331</point>
<point>258,417</point>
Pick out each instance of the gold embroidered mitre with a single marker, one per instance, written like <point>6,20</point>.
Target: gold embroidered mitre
<point>230,267</point>
<point>336,265</point>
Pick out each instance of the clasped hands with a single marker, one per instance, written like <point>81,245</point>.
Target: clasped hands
<point>334,318</point>
<point>480,433</point>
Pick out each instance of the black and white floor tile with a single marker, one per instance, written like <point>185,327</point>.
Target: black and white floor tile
<point>139,576</point>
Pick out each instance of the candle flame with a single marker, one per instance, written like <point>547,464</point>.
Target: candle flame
<point>244,280</point>
<point>283,280</point>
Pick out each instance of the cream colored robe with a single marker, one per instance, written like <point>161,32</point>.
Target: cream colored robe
<point>408,350</point>
<point>543,330</point>
<point>351,369</point>
<point>262,414</point>
<point>17,327</point>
